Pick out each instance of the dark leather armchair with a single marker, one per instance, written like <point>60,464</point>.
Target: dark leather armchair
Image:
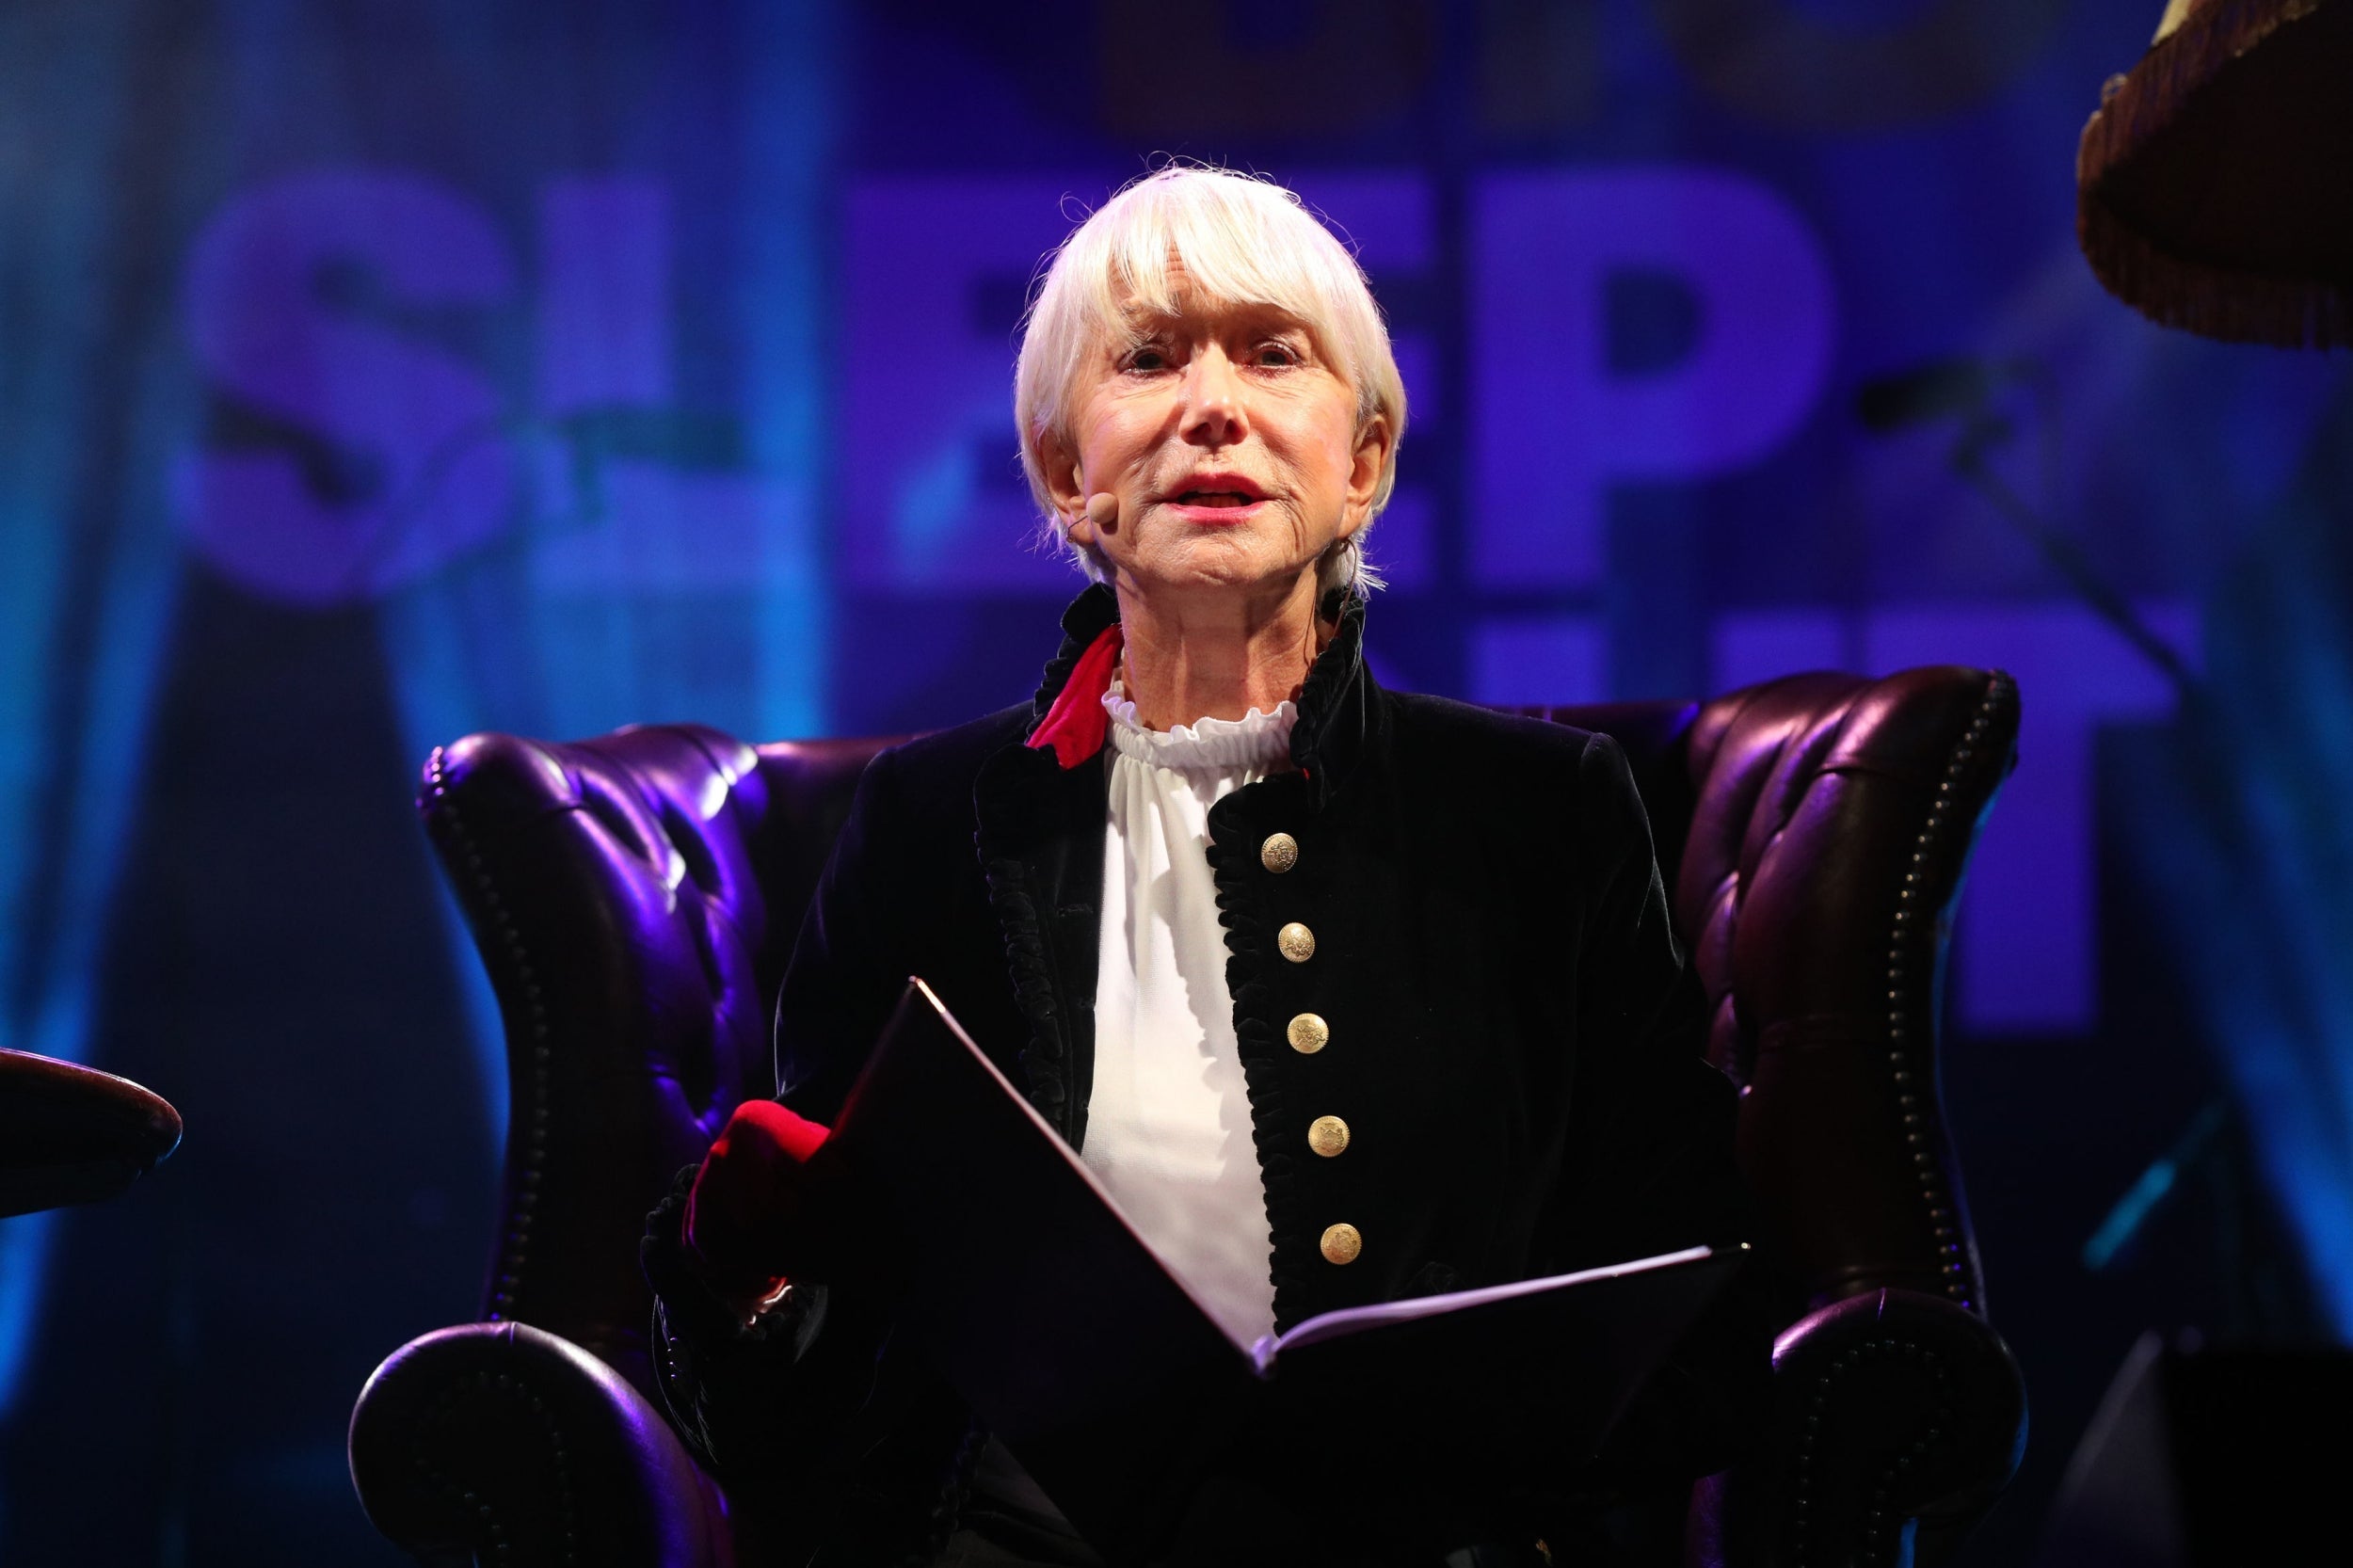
<point>635,897</point>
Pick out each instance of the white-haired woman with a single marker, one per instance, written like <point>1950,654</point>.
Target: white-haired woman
<point>1345,994</point>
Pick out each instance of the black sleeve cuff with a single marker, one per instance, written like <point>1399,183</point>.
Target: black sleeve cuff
<point>727,1383</point>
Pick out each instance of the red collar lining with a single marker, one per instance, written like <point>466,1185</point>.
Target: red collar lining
<point>1075,725</point>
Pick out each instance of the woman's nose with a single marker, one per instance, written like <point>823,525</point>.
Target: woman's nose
<point>1213,401</point>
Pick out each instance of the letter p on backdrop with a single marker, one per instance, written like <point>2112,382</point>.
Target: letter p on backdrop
<point>1554,425</point>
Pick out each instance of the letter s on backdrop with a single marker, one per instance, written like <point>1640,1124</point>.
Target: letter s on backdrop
<point>306,374</point>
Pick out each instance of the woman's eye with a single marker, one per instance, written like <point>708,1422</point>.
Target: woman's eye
<point>1147,357</point>
<point>1277,355</point>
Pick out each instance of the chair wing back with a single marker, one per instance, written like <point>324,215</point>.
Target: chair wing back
<point>1814,831</point>
<point>633,899</point>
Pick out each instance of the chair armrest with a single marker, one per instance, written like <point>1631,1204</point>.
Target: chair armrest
<point>502,1443</point>
<point>1897,1419</point>
<point>69,1134</point>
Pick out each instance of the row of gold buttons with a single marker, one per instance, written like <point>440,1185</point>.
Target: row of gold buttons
<point>1308,1035</point>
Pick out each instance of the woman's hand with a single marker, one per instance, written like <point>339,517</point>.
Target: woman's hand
<point>746,1227</point>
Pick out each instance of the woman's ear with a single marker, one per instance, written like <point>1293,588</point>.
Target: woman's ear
<point>1367,465</point>
<point>1059,467</point>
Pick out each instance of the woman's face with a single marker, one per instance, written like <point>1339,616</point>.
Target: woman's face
<point>1233,448</point>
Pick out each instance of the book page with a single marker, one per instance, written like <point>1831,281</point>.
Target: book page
<point>1356,1319</point>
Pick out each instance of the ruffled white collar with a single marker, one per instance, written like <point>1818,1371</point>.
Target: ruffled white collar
<point>1257,739</point>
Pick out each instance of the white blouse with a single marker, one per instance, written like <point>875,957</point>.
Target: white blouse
<point>1168,1122</point>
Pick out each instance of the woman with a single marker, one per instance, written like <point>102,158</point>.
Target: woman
<point>1346,995</point>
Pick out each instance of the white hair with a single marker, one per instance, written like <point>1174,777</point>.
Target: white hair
<point>1238,239</point>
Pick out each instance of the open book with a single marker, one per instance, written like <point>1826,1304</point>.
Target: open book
<point>1012,1267</point>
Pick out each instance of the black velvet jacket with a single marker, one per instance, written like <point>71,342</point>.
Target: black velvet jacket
<point>1512,1044</point>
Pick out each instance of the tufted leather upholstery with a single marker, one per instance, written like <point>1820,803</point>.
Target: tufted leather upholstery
<point>634,899</point>
<point>620,892</point>
<point>1825,823</point>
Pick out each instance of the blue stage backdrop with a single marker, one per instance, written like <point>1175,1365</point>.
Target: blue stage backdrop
<point>376,371</point>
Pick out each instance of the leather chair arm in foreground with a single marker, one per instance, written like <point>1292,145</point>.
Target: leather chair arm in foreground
<point>1897,1419</point>
<point>71,1134</point>
<point>502,1443</point>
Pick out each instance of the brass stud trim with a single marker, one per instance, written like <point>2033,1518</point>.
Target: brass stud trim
<point>1931,846</point>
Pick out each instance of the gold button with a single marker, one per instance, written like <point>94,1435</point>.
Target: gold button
<point>1309,1033</point>
<point>1280,854</point>
<point>1341,1244</point>
<point>1327,1135</point>
<point>1297,942</point>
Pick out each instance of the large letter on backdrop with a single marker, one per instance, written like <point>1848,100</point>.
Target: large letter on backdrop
<point>934,274</point>
<point>2030,964</point>
<point>325,400</point>
<point>1553,425</point>
<point>604,295</point>
<point>1797,63</point>
<point>1339,65</point>
<point>2029,953</point>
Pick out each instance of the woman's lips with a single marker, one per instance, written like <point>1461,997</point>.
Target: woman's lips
<point>1214,509</point>
<point>1211,505</point>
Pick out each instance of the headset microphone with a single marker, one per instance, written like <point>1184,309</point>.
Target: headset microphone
<point>1102,508</point>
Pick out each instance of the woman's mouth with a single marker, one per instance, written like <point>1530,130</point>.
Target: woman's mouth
<point>1215,508</point>
<point>1215,499</point>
